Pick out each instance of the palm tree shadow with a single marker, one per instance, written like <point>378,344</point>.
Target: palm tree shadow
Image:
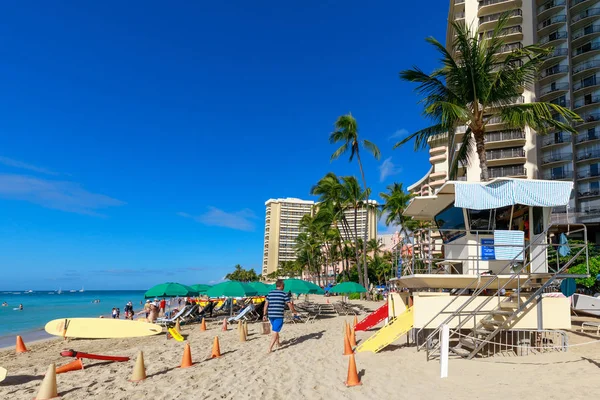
<point>301,339</point>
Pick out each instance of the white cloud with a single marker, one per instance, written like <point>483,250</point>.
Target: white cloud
<point>241,220</point>
<point>399,134</point>
<point>59,195</point>
<point>388,168</point>
<point>9,162</point>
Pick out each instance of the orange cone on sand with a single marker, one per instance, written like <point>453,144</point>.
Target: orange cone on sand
<point>203,325</point>
<point>352,379</point>
<point>186,361</point>
<point>347,346</point>
<point>72,366</point>
<point>355,321</point>
<point>48,388</point>
<point>139,371</point>
<point>348,330</point>
<point>352,337</point>
<point>245,328</point>
<point>21,345</point>
<point>240,325</point>
<point>177,326</point>
<point>224,324</point>
<point>216,350</point>
<point>242,332</point>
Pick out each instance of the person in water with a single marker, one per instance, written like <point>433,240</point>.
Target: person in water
<point>5,304</point>
<point>20,307</point>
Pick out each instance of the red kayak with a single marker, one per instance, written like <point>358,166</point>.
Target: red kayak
<point>78,354</point>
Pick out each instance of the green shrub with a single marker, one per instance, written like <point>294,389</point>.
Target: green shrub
<point>354,296</point>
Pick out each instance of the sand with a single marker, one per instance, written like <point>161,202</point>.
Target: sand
<point>310,365</point>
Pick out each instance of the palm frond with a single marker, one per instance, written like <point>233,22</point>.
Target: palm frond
<point>422,137</point>
<point>540,117</point>
<point>373,149</point>
<point>462,155</point>
<point>341,150</point>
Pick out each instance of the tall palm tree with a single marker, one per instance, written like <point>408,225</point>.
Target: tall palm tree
<point>346,132</point>
<point>373,246</point>
<point>476,83</point>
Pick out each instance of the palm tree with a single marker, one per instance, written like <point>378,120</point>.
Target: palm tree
<point>395,202</point>
<point>346,131</point>
<point>373,246</point>
<point>477,83</point>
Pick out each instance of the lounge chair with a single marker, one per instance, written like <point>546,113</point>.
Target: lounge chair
<point>173,319</point>
<point>242,314</point>
<point>591,326</point>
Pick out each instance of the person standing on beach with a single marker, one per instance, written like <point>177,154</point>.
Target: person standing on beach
<point>274,308</point>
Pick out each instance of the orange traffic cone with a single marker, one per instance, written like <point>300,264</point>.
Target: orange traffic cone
<point>224,324</point>
<point>186,361</point>
<point>245,328</point>
<point>48,387</point>
<point>139,370</point>
<point>177,327</point>
<point>355,321</point>
<point>348,330</point>
<point>216,350</point>
<point>72,366</point>
<point>21,345</point>
<point>347,346</point>
<point>345,331</point>
<point>352,379</point>
<point>352,337</point>
<point>203,325</point>
<point>240,326</point>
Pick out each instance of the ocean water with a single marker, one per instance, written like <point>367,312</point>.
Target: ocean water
<point>41,307</point>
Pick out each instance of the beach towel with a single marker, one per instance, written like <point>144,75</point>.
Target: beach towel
<point>563,249</point>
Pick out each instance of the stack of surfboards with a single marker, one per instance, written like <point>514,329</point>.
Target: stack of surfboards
<point>100,328</point>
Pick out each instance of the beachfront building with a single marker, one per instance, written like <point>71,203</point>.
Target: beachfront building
<point>361,222</point>
<point>282,226</point>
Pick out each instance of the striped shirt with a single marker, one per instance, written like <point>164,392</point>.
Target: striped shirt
<point>277,300</point>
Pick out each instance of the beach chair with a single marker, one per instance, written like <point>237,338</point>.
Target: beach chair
<point>190,316</point>
<point>241,315</point>
<point>207,311</point>
<point>591,326</point>
<point>173,319</point>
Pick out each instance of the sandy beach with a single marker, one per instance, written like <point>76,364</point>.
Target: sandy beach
<point>310,365</point>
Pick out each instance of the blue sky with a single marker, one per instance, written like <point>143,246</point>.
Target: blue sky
<point>139,141</point>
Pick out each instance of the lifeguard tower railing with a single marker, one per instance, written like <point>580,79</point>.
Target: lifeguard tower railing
<point>422,260</point>
<point>423,251</point>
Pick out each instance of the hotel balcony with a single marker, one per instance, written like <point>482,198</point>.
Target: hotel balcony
<point>576,6</point>
<point>487,22</point>
<point>504,139</point>
<point>585,68</point>
<point>556,56</point>
<point>587,137</point>
<point>486,7</point>
<point>588,156</point>
<point>459,5</point>
<point>437,150</point>
<point>552,140</point>
<point>494,124</point>
<point>559,158</point>
<point>553,90</point>
<point>589,32</point>
<point>584,174</point>
<point>553,73</point>
<point>459,16</point>
<point>580,19</point>
<point>549,8</point>
<point>549,24</point>
<point>437,179</point>
<point>514,171</point>
<point>437,158</point>
<point>556,175</point>
<point>585,51</point>
<point>554,38</point>
<point>585,193</point>
<point>589,119</point>
<point>512,33</point>
<point>582,104</point>
<point>505,156</point>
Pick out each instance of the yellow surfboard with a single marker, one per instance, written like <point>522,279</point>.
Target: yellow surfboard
<point>2,374</point>
<point>100,328</point>
<point>176,335</point>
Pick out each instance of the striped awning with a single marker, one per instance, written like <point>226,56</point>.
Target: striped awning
<point>502,193</point>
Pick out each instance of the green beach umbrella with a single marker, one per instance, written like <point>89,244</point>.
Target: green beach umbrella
<point>231,289</point>
<point>200,288</point>
<point>170,289</point>
<point>348,287</point>
<point>299,286</point>
<point>262,289</point>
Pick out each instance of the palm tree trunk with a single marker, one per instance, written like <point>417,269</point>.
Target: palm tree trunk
<point>358,269</point>
<point>480,147</point>
<point>366,234</point>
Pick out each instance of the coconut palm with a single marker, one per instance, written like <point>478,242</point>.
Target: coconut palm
<point>395,202</point>
<point>346,132</point>
<point>478,83</point>
<point>374,247</point>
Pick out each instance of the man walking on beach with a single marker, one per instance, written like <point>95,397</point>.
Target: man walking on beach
<point>274,308</point>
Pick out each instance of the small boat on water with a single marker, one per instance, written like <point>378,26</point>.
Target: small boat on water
<point>72,291</point>
<point>59,291</point>
<point>29,291</point>
<point>581,303</point>
<point>81,291</point>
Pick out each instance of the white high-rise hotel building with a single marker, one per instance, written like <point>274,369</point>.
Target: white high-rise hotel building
<point>569,77</point>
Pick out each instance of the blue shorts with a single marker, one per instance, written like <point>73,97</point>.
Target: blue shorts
<point>276,324</point>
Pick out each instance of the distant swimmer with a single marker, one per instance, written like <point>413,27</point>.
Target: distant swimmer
<point>5,304</point>
<point>20,307</point>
